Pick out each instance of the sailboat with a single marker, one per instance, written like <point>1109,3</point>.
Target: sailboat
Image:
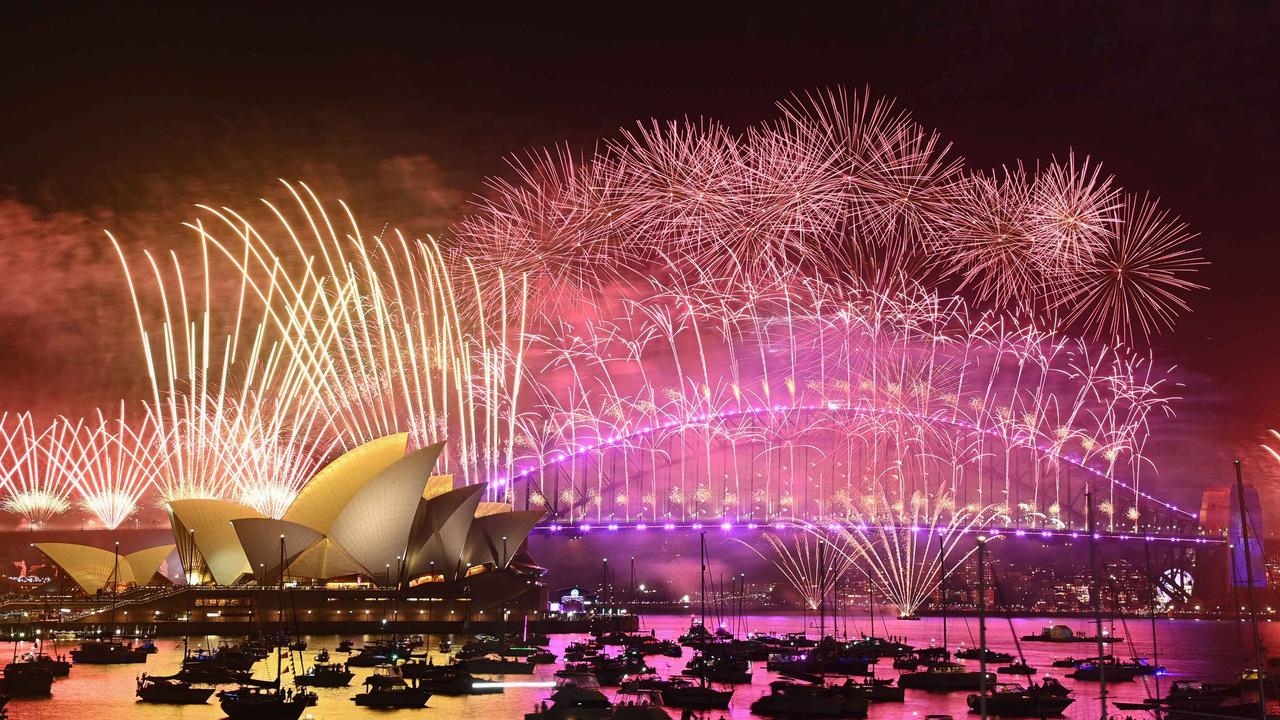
<point>943,674</point>
<point>109,651</point>
<point>700,696</point>
<point>256,700</point>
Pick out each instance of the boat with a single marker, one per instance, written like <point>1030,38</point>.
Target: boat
<point>1064,634</point>
<point>1109,668</point>
<point>148,647</point>
<point>1018,668</point>
<point>322,656</point>
<point>96,652</point>
<point>1186,695</point>
<point>450,680</point>
<point>493,664</point>
<point>909,661</point>
<point>267,701</point>
<point>571,701</point>
<point>794,700</point>
<point>639,711</point>
<point>211,674</point>
<point>59,666</point>
<point>609,671</point>
<point>1144,666</point>
<point>945,677</point>
<point>542,657</point>
<point>110,652</point>
<point>684,694</point>
<point>1241,709</point>
<point>346,646</point>
<point>326,675</point>
<point>1051,686</point>
<point>1011,700</point>
<point>696,635</point>
<point>385,688</point>
<point>977,654</point>
<point>873,689</point>
<point>375,654</point>
<point>654,646</point>
<point>171,690</point>
<point>27,679</point>
<point>719,669</point>
<point>228,656</point>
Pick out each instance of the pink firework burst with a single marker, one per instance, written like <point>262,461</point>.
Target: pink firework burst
<point>1138,282</point>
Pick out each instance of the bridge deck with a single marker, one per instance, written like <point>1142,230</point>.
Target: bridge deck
<point>1023,533</point>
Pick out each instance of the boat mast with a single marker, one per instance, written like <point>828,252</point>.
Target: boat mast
<point>822,590</point>
<point>1095,593</point>
<point>1253,608</point>
<point>1002,599</point>
<point>942,560</point>
<point>503,624</point>
<point>982,626</point>
<point>1155,646</point>
<point>871,600</point>
<point>283,628</point>
<point>115,590</point>
<point>702,557</point>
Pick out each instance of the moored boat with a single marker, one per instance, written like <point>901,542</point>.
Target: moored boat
<point>1010,700</point>
<point>170,690</point>
<point>793,700</point>
<point>26,679</point>
<point>945,677</point>
<point>387,689</point>
<point>107,653</point>
<point>327,675</point>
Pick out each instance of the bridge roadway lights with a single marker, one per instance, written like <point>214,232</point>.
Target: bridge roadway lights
<point>1042,535</point>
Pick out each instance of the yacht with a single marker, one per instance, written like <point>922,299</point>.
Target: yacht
<point>27,679</point>
<point>793,700</point>
<point>385,688</point>
<point>109,652</point>
<point>945,677</point>
<point>171,690</point>
<point>267,701</point>
<point>1011,700</point>
<point>327,675</point>
<point>449,680</point>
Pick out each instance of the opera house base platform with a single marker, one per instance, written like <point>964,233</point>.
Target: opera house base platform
<point>484,603</point>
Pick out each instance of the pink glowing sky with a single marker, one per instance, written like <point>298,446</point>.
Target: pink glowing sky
<point>123,123</point>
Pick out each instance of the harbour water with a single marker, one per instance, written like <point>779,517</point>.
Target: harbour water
<point>1191,649</point>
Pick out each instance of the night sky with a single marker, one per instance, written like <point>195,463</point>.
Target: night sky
<point>124,120</point>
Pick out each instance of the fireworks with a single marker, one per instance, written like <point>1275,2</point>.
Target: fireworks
<point>904,547</point>
<point>116,463</point>
<point>38,475</point>
<point>687,323</point>
<point>811,569</point>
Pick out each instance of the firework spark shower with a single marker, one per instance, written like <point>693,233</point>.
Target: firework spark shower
<point>687,323</point>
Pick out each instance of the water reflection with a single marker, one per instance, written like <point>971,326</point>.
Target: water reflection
<point>1190,649</point>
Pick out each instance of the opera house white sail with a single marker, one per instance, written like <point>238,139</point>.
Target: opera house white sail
<point>375,514</point>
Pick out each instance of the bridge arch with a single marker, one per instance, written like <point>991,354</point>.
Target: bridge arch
<point>757,464</point>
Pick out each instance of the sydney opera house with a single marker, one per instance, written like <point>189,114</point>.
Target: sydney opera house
<point>373,538</point>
